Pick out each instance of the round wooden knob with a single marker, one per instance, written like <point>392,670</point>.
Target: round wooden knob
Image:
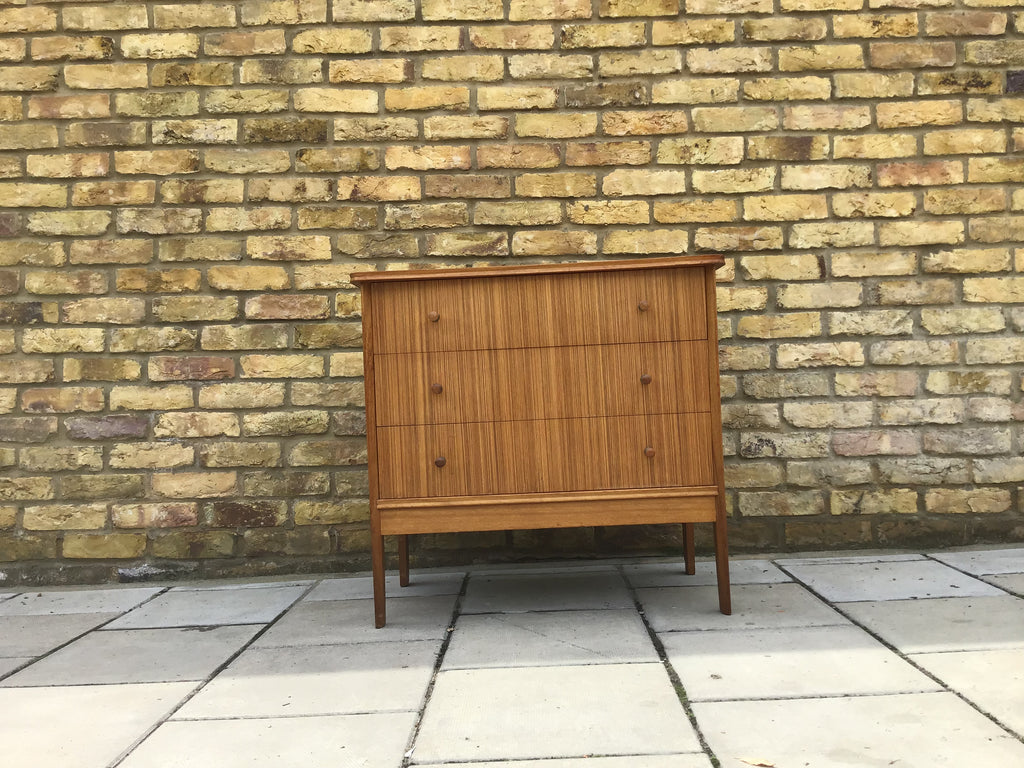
<point>649,452</point>
<point>646,379</point>
<point>437,389</point>
<point>643,306</point>
<point>440,461</point>
<point>433,315</point>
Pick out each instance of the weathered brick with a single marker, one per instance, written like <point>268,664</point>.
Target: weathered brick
<point>841,415</point>
<point>819,355</point>
<point>784,28</point>
<point>969,81</point>
<point>825,176</point>
<point>223,337</point>
<point>968,260</point>
<point>876,383</point>
<point>787,325</point>
<point>968,382</point>
<point>601,212</point>
<point>735,119</point>
<point>921,411</point>
<point>886,322</point>
<point>875,25</point>
<point>517,213</point>
<point>156,515</point>
<point>694,210</point>
<point>60,340</point>
<point>467,244</point>
<point>974,501</point>
<point>92,369</point>
<point>902,114</point>
<point>104,310</point>
<point>106,427</point>
<point>710,90</point>
<point>920,173</point>
<point>150,455</point>
<point>158,339</point>
<point>837,234</point>
<point>772,386</point>
<point>135,398</point>
<point>899,501</point>
<point>191,424</point>
<point>913,352</point>
<point>784,207</point>
<point>719,60</point>
<point>869,264</point>
<point>53,517</point>
<point>816,474</point>
<point>194,485</point>
<point>229,101</point>
<point>642,242</point>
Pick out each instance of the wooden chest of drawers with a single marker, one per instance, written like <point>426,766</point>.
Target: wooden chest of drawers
<point>543,396</point>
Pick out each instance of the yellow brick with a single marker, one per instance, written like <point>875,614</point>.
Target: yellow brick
<point>561,126</point>
<point>872,204</point>
<point>784,207</point>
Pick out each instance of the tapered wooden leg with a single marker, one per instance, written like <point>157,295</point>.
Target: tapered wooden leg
<point>689,553</point>
<point>403,560</point>
<point>377,556</point>
<point>722,568</point>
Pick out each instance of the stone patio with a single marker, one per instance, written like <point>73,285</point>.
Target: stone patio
<point>909,659</point>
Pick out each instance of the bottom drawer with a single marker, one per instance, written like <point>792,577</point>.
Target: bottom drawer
<point>544,456</point>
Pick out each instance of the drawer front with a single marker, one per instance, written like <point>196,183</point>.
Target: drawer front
<point>682,450</point>
<point>676,376</point>
<point>441,460</point>
<point>541,383</point>
<point>509,384</point>
<point>539,311</point>
<point>544,456</point>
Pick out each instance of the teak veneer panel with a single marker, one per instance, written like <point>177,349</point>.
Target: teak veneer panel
<point>547,395</point>
<point>559,382</point>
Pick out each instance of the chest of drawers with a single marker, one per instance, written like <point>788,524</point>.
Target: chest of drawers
<point>543,396</point>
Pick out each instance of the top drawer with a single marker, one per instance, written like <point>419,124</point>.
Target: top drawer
<point>539,310</point>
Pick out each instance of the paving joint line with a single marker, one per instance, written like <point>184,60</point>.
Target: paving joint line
<point>410,745</point>
<point>98,628</point>
<point>673,676</point>
<point>942,683</point>
<point>209,678</point>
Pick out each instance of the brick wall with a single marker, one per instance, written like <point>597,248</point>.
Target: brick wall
<point>186,188</point>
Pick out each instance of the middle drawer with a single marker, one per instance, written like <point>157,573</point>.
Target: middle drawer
<point>540,383</point>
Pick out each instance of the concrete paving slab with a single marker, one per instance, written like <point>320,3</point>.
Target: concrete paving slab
<point>361,587</point>
<point>673,609</point>
<point>210,608</point>
<point>919,730</point>
<point>137,656</point>
<point>541,712</point>
<point>945,624</point>
<point>36,635</point>
<point>330,622</point>
<point>900,580</point>
<point>791,662</point>
<point>85,726</point>
<point>519,592</point>
<point>319,680</point>
<point>671,574</point>
<point>630,761</point>
<point>555,638</point>
<point>106,600</point>
<point>377,740</point>
<point>985,562</point>
<point>1011,582</point>
<point>994,680</point>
